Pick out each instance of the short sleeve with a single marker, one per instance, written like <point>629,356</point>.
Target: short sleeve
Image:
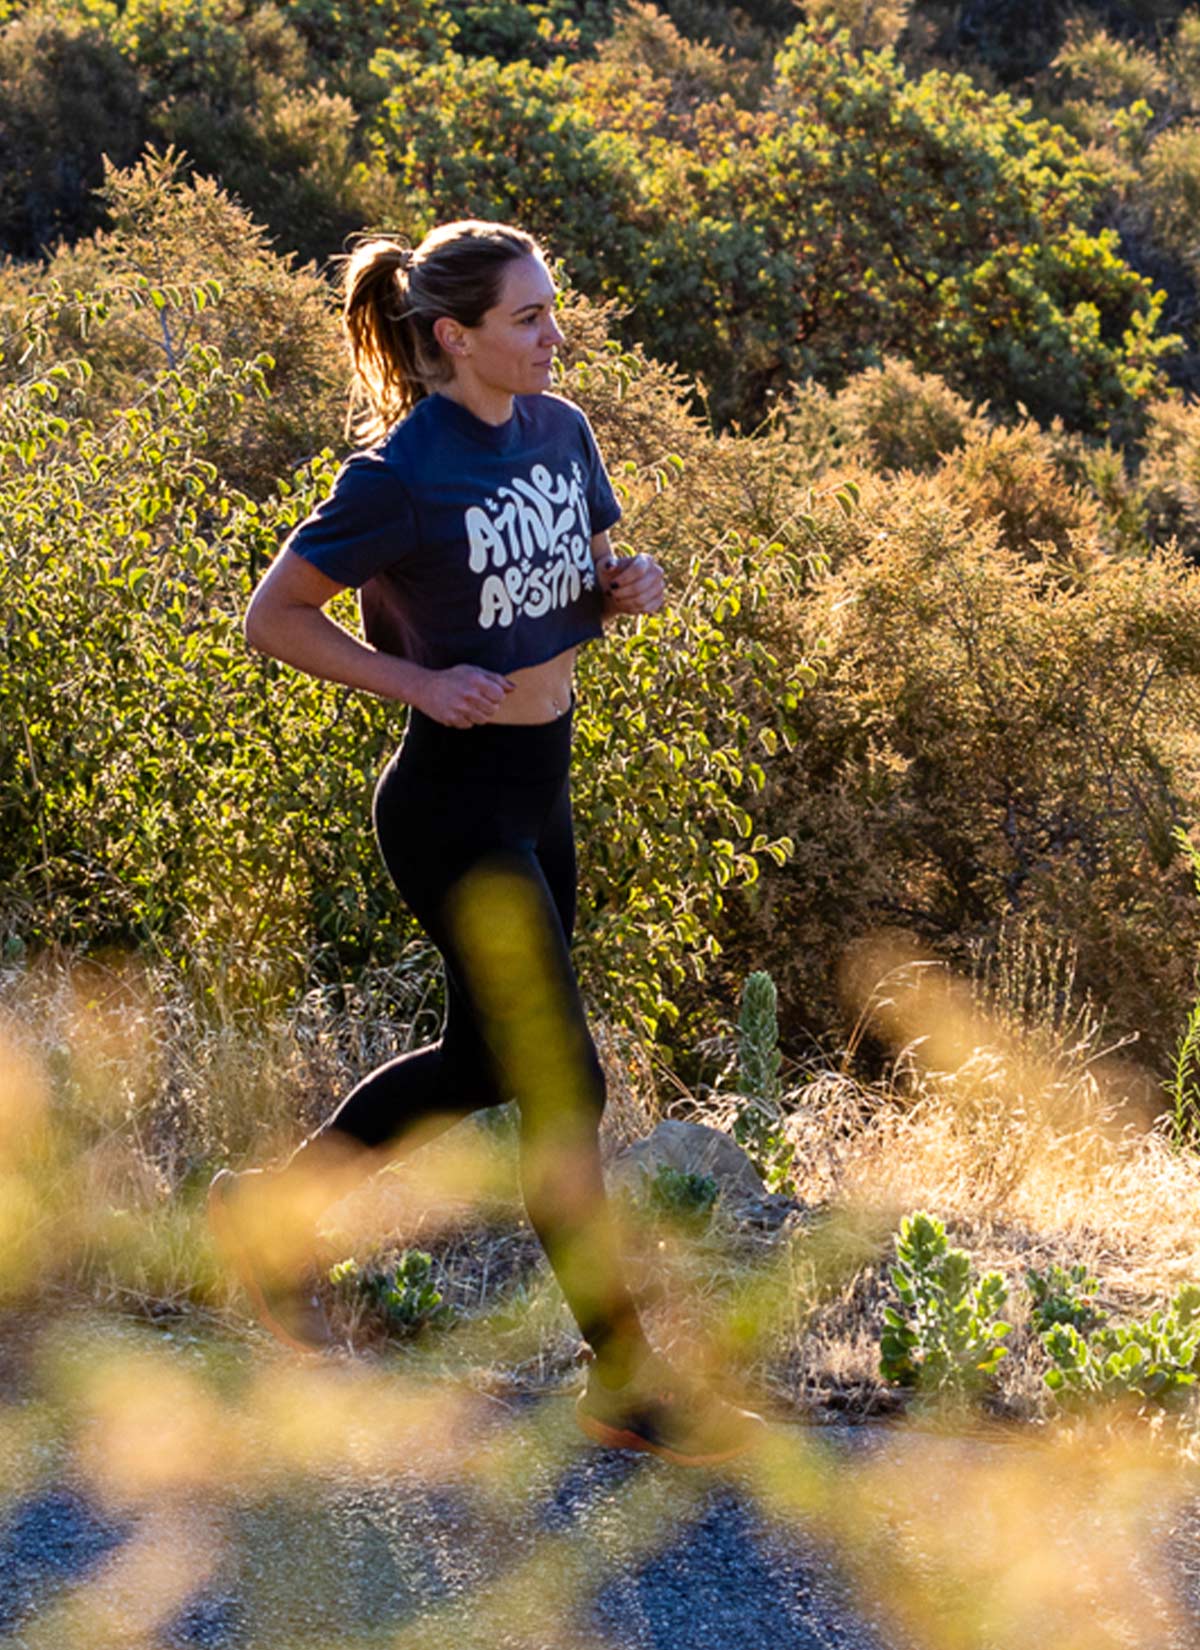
<point>366,524</point>
<point>604,511</point>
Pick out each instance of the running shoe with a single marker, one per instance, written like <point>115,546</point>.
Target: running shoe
<point>283,1298</point>
<point>668,1414</point>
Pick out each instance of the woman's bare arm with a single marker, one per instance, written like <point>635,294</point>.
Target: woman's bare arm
<point>285,620</point>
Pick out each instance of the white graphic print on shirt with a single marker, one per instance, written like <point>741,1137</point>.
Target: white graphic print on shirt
<point>533,542</point>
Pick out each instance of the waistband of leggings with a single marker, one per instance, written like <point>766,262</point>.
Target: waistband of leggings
<point>516,751</point>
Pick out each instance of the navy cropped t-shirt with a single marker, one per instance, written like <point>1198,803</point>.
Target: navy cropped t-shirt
<point>469,542</point>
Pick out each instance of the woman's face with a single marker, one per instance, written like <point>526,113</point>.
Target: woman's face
<point>512,348</point>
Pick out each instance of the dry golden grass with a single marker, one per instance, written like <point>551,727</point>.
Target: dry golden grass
<point>116,1102</point>
<point>1001,1113</point>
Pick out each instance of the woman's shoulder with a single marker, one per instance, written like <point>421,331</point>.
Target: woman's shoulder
<point>371,470</point>
<point>548,408</point>
<point>553,418</point>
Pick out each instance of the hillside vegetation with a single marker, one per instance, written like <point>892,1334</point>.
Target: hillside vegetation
<point>885,316</point>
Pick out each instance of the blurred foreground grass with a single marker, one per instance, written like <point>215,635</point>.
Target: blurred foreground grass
<point>120,1370</point>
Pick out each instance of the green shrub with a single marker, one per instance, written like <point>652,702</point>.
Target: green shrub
<point>1062,1296</point>
<point>1169,183</point>
<point>757,245</point>
<point>678,1197</point>
<point>869,23</point>
<point>1092,63</point>
<point>945,1340</point>
<point>178,814</point>
<point>403,1295</point>
<point>1155,1361</point>
<point>67,99</point>
<point>228,52</point>
<point>173,231</point>
<point>933,183</point>
<point>345,34</point>
<point>508,29</point>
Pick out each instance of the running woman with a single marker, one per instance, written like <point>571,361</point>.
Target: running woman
<point>475,528</point>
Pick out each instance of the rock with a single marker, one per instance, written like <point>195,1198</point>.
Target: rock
<point>769,1213</point>
<point>692,1148</point>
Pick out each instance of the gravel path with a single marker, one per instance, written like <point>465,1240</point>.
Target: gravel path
<point>614,1551</point>
<point>656,1558</point>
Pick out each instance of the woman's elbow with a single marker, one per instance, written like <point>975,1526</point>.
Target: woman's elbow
<point>256,626</point>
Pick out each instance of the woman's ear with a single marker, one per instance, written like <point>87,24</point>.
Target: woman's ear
<point>451,336</point>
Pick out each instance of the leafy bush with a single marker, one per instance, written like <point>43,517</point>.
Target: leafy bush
<point>764,218</point>
<point>989,737</point>
<point>508,29</point>
<point>1155,1361</point>
<point>933,183</point>
<point>67,97</point>
<point>171,231</point>
<point>1062,1296</point>
<point>1169,188</point>
<point>403,1295</point>
<point>477,138</point>
<point>225,51</point>
<point>901,419</point>
<point>1169,476</point>
<point>869,23</point>
<point>993,732</point>
<point>1013,476</point>
<point>754,245</point>
<point>345,34</point>
<point>1094,64</point>
<point>945,1340</point>
<point>178,814</point>
<point>679,1197</point>
<point>648,52</point>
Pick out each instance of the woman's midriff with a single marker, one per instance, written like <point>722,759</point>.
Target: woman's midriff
<point>541,692</point>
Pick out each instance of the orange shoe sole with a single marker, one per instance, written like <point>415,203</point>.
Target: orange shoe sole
<point>617,1438</point>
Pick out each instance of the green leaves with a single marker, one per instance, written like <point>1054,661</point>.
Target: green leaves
<point>1154,1362</point>
<point>946,1343</point>
<point>179,813</point>
<point>946,1340</point>
<point>666,783</point>
<point>154,734</point>
<point>757,1124</point>
<point>404,1295</point>
<point>677,1197</point>
<point>1060,1296</point>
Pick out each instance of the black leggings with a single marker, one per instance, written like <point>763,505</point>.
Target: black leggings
<point>451,804</point>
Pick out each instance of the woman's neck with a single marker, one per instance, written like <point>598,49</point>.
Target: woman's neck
<point>493,406</point>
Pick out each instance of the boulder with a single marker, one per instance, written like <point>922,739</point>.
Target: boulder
<point>692,1148</point>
